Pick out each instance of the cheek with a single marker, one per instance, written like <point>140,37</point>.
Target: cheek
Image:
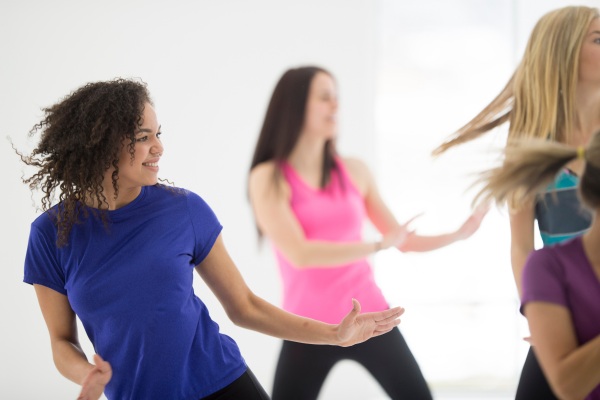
<point>589,62</point>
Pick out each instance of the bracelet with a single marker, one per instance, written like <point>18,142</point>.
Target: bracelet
<point>377,246</point>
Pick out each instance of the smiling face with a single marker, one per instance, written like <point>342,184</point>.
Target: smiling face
<point>142,170</point>
<point>321,107</point>
<point>589,57</point>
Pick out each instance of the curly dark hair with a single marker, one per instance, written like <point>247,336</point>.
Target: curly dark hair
<point>81,138</point>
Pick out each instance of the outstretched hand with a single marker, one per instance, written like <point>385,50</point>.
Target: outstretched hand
<point>356,327</point>
<point>94,383</point>
<point>397,236</point>
<point>472,224</point>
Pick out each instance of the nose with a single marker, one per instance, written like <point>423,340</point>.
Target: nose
<point>157,147</point>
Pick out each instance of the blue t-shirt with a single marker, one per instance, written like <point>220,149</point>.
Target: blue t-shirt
<point>559,212</point>
<point>131,287</point>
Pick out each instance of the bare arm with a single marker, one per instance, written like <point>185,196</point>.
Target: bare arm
<point>68,356</point>
<point>247,310</point>
<point>419,243</point>
<point>383,219</point>
<point>521,240</point>
<point>278,222</point>
<point>572,370</point>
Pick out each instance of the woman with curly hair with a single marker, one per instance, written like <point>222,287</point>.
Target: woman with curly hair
<point>554,94</point>
<point>118,251</point>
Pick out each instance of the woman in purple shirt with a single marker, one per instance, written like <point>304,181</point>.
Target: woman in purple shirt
<point>561,283</point>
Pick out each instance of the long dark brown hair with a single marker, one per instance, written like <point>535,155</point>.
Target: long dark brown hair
<point>284,120</point>
<point>81,138</point>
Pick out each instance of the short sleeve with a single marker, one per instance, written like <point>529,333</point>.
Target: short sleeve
<point>543,279</point>
<point>41,261</point>
<point>206,226</point>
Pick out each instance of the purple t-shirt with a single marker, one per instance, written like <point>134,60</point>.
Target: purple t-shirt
<point>562,274</point>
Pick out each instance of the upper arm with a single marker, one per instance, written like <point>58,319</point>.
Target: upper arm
<point>221,275</point>
<point>274,215</point>
<point>377,210</point>
<point>522,241</point>
<point>58,314</point>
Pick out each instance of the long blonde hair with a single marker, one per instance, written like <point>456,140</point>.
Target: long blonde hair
<point>539,99</point>
<point>531,164</point>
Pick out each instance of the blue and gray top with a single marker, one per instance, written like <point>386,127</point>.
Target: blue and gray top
<point>559,211</point>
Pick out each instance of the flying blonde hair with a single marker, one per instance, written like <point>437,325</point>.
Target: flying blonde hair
<point>531,164</point>
<point>539,99</point>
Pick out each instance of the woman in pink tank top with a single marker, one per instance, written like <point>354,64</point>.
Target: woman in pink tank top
<point>312,204</point>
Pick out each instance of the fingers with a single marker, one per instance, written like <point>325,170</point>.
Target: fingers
<point>391,314</point>
<point>410,220</point>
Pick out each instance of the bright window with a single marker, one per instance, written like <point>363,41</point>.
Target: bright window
<point>442,62</point>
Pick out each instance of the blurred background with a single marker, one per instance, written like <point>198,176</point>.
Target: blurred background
<point>409,74</point>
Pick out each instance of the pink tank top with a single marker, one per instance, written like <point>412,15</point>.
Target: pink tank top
<point>335,213</point>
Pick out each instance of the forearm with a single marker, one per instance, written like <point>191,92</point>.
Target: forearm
<point>263,317</point>
<point>330,254</point>
<point>70,361</point>
<point>417,243</point>
<point>578,373</point>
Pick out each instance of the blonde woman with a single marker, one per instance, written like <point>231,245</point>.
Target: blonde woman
<point>560,284</point>
<point>554,94</point>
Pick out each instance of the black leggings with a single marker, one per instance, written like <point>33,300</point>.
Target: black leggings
<point>245,387</point>
<point>533,384</point>
<point>302,368</point>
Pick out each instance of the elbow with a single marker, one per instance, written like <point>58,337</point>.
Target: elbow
<point>243,313</point>
<point>299,259</point>
<point>239,318</point>
<point>236,318</point>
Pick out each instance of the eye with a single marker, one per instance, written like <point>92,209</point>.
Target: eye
<point>158,135</point>
<point>141,139</point>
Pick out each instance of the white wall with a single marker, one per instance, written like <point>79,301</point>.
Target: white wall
<point>210,66</point>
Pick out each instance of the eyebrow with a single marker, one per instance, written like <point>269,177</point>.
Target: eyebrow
<point>146,130</point>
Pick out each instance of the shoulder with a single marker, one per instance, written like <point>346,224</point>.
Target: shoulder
<point>543,256</point>
<point>354,165</point>
<point>542,265</point>
<point>266,176</point>
<point>44,228</point>
<point>358,172</point>
<point>263,171</point>
<point>177,196</point>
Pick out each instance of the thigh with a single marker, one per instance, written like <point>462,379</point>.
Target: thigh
<point>302,369</point>
<point>245,387</point>
<point>533,383</point>
<point>392,364</point>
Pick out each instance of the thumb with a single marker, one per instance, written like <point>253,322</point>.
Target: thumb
<point>355,306</point>
<point>100,363</point>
